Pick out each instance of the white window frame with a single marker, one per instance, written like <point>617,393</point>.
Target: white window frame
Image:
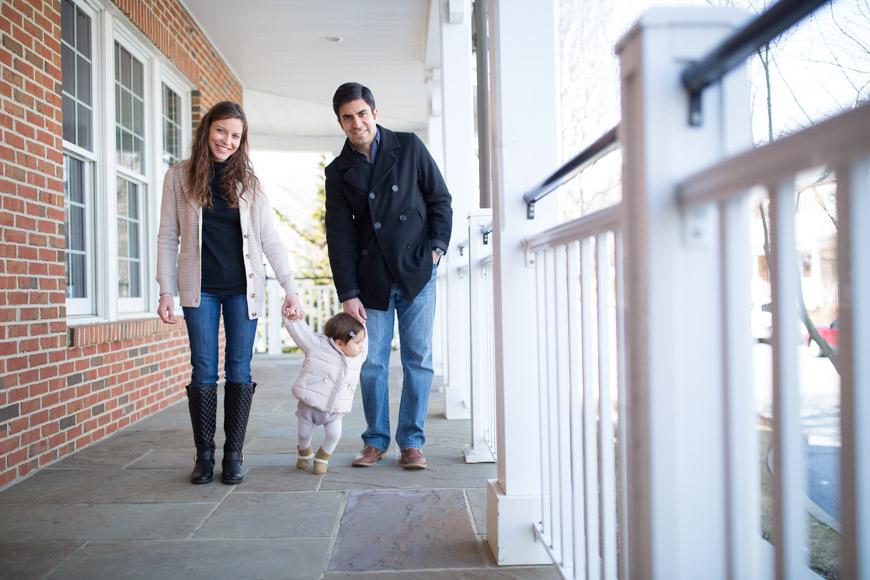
<point>109,25</point>
<point>183,88</point>
<point>86,305</point>
<point>134,305</point>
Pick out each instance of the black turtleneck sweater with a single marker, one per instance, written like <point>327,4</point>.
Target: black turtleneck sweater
<point>223,265</point>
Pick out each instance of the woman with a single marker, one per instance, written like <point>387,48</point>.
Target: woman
<point>214,208</point>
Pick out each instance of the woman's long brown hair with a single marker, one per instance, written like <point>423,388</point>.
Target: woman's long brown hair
<point>238,166</point>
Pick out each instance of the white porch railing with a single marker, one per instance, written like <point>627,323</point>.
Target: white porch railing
<point>484,443</point>
<point>578,268</point>
<point>648,428</point>
<point>319,300</point>
<point>841,144</point>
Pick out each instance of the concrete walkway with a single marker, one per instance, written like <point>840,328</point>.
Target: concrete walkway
<point>124,507</point>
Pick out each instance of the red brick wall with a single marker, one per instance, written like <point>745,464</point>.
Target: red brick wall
<point>63,387</point>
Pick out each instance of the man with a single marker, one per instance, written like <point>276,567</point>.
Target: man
<point>388,222</point>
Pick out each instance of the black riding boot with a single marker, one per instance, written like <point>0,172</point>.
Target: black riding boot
<point>237,407</point>
<point>202,403</point>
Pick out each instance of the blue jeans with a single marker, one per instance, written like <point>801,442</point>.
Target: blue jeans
<point>416,319</point>
<point>203,324</point>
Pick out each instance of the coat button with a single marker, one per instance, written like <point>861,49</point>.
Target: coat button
<point>395,188</point>
<point>365,252</point>
<point>250,275</point>
<point>377,225</point>
<point>253,295</point>
<point>248,256</point>
<point>253,314</point>
<point>402,218</point>
<point>372,195</point>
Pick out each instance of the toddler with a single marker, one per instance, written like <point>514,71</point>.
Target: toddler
<point>327,382</point>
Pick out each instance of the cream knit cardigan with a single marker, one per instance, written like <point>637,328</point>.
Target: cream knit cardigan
<point>181,224</point>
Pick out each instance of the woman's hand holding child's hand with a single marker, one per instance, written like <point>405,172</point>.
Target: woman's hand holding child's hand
<point>292,308</point>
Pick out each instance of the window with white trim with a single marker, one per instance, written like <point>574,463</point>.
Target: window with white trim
<point>77,49</point>
<point>115,157</point>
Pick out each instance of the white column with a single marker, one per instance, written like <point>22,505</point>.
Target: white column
<point>523,81</point>
<point>458,118</point>
<point>678,495</point>
<point>435,143</point>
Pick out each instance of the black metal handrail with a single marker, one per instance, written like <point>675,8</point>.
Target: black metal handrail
<point>601,147</point>
<point>739,46</point>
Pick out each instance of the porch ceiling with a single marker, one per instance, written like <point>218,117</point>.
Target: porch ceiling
<point>289,71</point>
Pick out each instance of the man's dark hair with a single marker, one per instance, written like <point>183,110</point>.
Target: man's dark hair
<point>350,92</point>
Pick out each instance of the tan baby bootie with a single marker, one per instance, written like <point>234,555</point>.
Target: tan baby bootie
<point>320,461</point>
<point>305,456</point>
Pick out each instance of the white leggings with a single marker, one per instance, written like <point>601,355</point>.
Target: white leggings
<point>331,437</point>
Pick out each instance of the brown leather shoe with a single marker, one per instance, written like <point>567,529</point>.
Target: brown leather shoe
<point>413,459</point>
<point>368,456</point>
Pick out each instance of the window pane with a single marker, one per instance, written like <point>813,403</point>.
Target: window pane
<point>76,280</point>
<point>75,193</point>
<point>76,69</point>
<point>84,127</point>
<point>123,239</point>
<point>83,80</point>
<point>76,235</point>
<point>137,114</point>
<point>126,66</point>
<point>83,34</point>
<point>67,68</point>
<point>75,224</point>
<point>123,278</point>
<point>135,290</point>
<point>118,149</point>
<point>171,127</point>
<point>67,22</point>
<point>129,262</point>
<point>122,198</point>
<point>138,162</point>
<point>127,149</point>
<point>133,232</point>
<point>129,111</point>
<point>133,201</point>
<point>138,80</point>
<point>69,119</point>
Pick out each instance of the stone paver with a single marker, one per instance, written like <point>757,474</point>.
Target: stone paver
<point>236,558</point>
<point>33,560</point>
<point>406,530</point>
<point>274,515</point>
<point>124,507</point>
<point>77,521</point>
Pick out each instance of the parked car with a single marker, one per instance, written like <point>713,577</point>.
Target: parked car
<point>831,335</point>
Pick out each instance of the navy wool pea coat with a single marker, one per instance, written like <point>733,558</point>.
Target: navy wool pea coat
<point>382,225</point>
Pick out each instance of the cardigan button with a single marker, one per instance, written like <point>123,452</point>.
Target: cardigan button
<point>377,225</point>
<point>253,295</point>
<point>372,195</point>
<point>365,252</point>
<point>253,314</point>
<point>402,218</point>
<point>395,188</point>
<point>250,275</point>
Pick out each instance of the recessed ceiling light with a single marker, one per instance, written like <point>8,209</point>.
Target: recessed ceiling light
<point>332,39</point>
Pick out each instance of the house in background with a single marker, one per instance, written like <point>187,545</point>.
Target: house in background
<point>98,100</point>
